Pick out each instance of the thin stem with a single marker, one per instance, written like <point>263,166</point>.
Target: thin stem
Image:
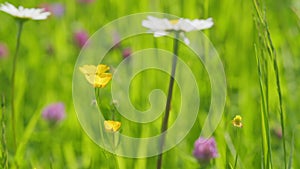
<point>272,53</point>
<point>264,111</point>
<point>237,148</point>
<point>292,147</point>
<point>236,159</point>
<point>165,121</point>
<point>275,64</point>
<point>113,134</point>
<point>4,161</point>
<point>20,25</point>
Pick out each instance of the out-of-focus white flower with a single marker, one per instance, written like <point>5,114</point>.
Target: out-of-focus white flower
<point>24,13</point>
<point>163,26</point>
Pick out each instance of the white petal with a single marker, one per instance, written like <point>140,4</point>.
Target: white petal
<point>186,25</point>
<point>148,24</point>
<point>160,33</point>
<point>161,26</point>
<point>157,24</point>
<point>21,12</point>
<point>203,24</point>
<point>185,39</point>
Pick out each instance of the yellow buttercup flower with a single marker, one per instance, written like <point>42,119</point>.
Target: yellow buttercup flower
<point>101,69</point>
<point>96,75</point>
<point>102,80</point>
<point>89,71</point>
<point>112,126</point>
<point>237,121</point>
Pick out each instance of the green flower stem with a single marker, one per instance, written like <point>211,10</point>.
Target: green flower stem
<point>20,25</point>
<point>237,135</point>
<point>165,121</point>
<point>109,156</point>
<point>4,152</point>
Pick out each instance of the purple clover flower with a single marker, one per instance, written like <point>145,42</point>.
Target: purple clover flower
<point>3,50</point>
<point>126,52</point>
<point>56,9</point>
<point>116,40</point>
<point>80,37</point>
<point>205,149</point>
<point>85,1</point>
<point>54,112</point>
<point>277,132</point>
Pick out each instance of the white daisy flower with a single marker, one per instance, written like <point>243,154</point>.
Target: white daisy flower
<point>24,13</point>
<point>162,27</point>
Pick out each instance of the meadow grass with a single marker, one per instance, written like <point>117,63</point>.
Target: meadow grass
<point>258,43</point>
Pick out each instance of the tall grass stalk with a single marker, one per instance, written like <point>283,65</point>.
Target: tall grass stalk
<point>293,147</point>
<point>266,141</point>
<point>273,58</point>
<point>27,134</point>
<point>272,53</point>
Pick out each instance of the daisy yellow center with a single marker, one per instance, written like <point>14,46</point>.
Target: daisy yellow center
<point>174,21</point>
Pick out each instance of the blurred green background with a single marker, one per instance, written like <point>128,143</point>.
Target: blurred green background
<point>48,53</point>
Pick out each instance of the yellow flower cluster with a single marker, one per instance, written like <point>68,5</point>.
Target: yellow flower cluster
<point>97,76</point>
